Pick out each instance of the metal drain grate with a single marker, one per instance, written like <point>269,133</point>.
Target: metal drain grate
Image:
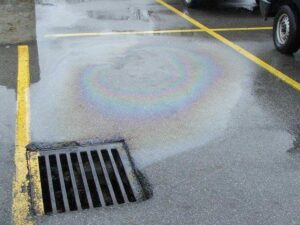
<point>76,178</point>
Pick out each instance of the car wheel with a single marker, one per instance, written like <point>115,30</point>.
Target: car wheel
<point>286,30</point>
<point>191,3</point>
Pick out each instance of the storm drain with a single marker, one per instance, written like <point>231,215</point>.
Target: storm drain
<point>77,178</point>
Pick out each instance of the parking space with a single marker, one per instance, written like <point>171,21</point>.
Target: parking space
<point>127,16</point>
<point>206,105</point>
<point>260,43</point>
<point>222,14</point>
<point>258,39</point>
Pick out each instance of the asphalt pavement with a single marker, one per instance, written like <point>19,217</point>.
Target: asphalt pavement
<point>8,83</point>
<point>216,135</point>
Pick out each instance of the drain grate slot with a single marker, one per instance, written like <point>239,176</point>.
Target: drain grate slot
<point>123,175</point>
<point>44,183</point>
<point>103,179</point>
<point>82,187</point>
<point>68,183</point>
<point>113,178</point>
<point>86,177</point>
<point>56,184</point>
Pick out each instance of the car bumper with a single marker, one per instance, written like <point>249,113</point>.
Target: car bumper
<point>265,7</point>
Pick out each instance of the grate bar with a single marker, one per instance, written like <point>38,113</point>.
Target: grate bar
<point>118,176</point>
<point>86,187</point>
<point>110,188</point>
<point>124,175</point>
<point>76,193</point>
<point>52,197</point>
<point>62,183</point>
<point>96,179</point>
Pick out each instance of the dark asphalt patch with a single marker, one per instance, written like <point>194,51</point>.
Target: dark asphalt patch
<point>8,62</point>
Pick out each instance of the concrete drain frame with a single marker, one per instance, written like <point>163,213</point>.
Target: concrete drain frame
<point>75,176</point>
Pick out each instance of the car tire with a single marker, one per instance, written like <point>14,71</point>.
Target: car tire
<point>191,3</point>
<point>286,30</point>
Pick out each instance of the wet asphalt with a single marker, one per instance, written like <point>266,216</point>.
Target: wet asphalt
<point>7,120</point>
<point>216,135</point>
<point>8,81</point>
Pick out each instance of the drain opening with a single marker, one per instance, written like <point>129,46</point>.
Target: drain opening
<point>44,184</point>
<point>86,177</point>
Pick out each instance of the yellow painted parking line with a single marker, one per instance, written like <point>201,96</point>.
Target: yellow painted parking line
<point>122,33</point>
<point>242,29</point>
<point>37,198</point>
<point>275,72</point>
<point>21,201</point>
<point>153,32</point>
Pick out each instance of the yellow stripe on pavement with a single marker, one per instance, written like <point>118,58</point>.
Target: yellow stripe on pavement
<point>122,33</point>
<point>21,201</point>
<point>153,32</point>
<point>242,29</point>
<point>37,198</point>
<point>275,72</point>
